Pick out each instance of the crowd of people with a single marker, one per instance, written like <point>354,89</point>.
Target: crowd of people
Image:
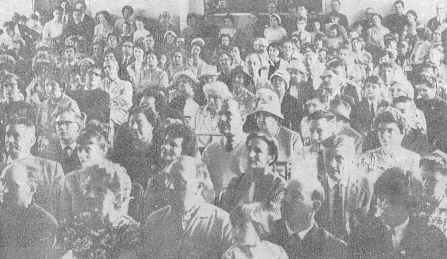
<point>293,136</point>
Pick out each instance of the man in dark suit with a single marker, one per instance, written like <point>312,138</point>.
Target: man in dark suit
<point>87,20</point>
<point>396,21</point>
<point>365,111</point>
<point>64,150</point>
<point>335,8</point>
<point>348,192</point>
<point>298,232</point>
<point>76,27</point>
<point>127,59</point>
<point>396,232</point>
<point>346,88</point>
<point>332,83</point>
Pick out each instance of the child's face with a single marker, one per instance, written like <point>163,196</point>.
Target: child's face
<point>170,39</point>
<point>333,33</point>
<point>301,25</point>
<point>244,233</point>
<point>69,54</point>
<point>139,25</point>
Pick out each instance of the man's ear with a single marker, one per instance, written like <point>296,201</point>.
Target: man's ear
<point>200,188</point>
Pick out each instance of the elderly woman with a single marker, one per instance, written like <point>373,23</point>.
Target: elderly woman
<point>185,83</point>
<point>391,126</point>
<point>205,122</point>
<point>261,182</point>
<point>104,227</point>
<point>178,140</point>
<point>275,33</point>
<point>135,152</point>
<point>57,101</point>
<point>434,177</point>
<point>104,27</point>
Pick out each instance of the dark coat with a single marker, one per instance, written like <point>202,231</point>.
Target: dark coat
<point>293,112</point>
<point>94,103</point>
<point>435,111</point>
<point>361,116</point>
<point>55,153</point>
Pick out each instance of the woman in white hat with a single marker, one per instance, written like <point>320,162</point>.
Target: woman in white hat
<point>240,82</point>
<point>185,83</point>
<point>169,40</point>
<point>195,62</point>
<point>275,33</point>
<point>208,76</point>
<point>205,122</point>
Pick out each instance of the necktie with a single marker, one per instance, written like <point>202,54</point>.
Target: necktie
<point>338,225</point>
<point>67,152</point>
<point>373,114</point>
<point>125,62</point>
<point>229,145</point>
<point>320,165</point>
<point>293,246</point>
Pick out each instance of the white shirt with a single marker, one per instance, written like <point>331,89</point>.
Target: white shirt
<point>53,29</point>
<point>301,234</point>
<point>72,147</point>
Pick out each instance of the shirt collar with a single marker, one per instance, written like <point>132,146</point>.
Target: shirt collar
<point>398,231</point>
<point>72,146</point>
<point>301,234</point>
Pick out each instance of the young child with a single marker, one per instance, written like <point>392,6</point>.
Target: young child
<point>250,223</point>
<point>334,39</point>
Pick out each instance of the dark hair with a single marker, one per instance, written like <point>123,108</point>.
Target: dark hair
<point>412,12</point>
<point>127,7</point>
<point>150,115</point>
<point>257,213</point>
<point>399,2</point>
<point>189,16</point>
<point>320,94</point>
<point>319,114</point>
<point>94,130</point>
<point>189,143</point>
<point>81,2</point>
<point>112,34</point>
<point>159,96</point>
<point>58,8</point>
<point>271,142</point>
<point>394,185</point>
<point>391,115</point>
<point>335,27</point>
<point>430,81</point>
<point>106,16</point>
<point>277,46</point>
<point>402,99</point>
<point>9,24</point>
<point>229,16</point>
<point>23,121</point>
<point>378,15</point>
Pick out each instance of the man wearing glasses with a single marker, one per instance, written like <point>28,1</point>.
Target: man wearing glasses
<point>92,100</point>
<point>64,149</point>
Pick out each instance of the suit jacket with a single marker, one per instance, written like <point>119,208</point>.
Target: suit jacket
<point>361,115</point>
<point>56,153</point>
<point>350,90</point>
<point>318,243</point>
<point>435,112</point>
<point>374,240</point>
<point>345,98</point>
<point>80,29</point>
<point>413,141</point>
<point>356,198</point>
<point>122,72</point>
<point>293,112</point>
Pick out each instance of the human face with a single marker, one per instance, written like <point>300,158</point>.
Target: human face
<point>410,17</point>
<point>126,28</point>
<point>149,102</point>
<point>253,19</point>
<point>332,83</point>
<point>84,67</point>
<point>238,81</point>
<point>185,184</point>
<point>12,90</point>
<point>273,21</point>
<point>141,129</point>
<point>67,128</point>
<point>57,14</point>
<point>171,148</point>
<point>335,6</point>
<point>69,54</point>
<point>235,53</point>
<point>139,25</point>
<point>258,154</point>
<point>322,56</point>
<point>19,139</point>
<point>225,41</point>
<point>338,162</point>
<point>435,56</point>
<point>53,89</point>
<point>426,92</point>
<point>228,22</point>
<point>390,135</point>
<point>14,188</point>
<point>209,79</point>
<point>408,109</point>
<point>225,61</point>
<point>297,205</point>
<point>271,7</point>
<point>214,102</point>
<point>97,50</point>
<point>402,49</point>
<point>177,59</point>
<point>91,153</point>
<point>301,11</point>
<point>295,75</point>
<point>138,54</point>
<point>397,90</point>
<point>127,48</point>
<point>333,33</point>
<point>230,120</point>
<point>388,75</point>
<point>102,19</point>
<point>273,53</point>
<point>195,51</point>
<point>266,121</point>
<point>80,7</point>
<point>435,183</point>
<point>93,79</point>
<point>279,86</point>
<point>126,14</point>
<point>112,41</point>
<point>152,60</point>
<point>288,49</point>
<point>77,16</point>
<point>315,105</point>
<point>440,11</point>
<point>244,233</point>
<point>376,20</point>
<point>321,130</point>
<point>372,91</point>
<point>170,39</point>
<point>109,56</point>
<point>301,25</point>
<point>185,86</point>
<point>192,21</point>
<point>180,42</point>
<point>110,69</point>
<point>344,55</point>
<point>253,65</point>
<point>149,42</point>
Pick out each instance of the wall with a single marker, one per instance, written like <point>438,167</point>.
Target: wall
<point>8,7</point>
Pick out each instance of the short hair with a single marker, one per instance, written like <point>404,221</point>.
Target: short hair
<point>218,88</point>
<point>76,113</point>
<point>189,143</point>
<point>189,16</point>
<point>321,37</point>
<point>160,98</point>
<point>75,10</point>
<point>436,161</point>
<point>301,19</point>
<point>394,185</point>
<point>10,76</point>
<point>407,87</point>
<point>127,7</point>
<point>150,115</point>
<point>58,8</point>
<point>391,115</point>
<point>23,121</point>
<point>375,80</point>
<point>226,53</point>
<point>112,34</point>
<point>267,138</point>
<point>256,213</point>
<point>378,15</point>
<point>319,114</point>
<point>94,130</point>
<point>320,94</point>
<point>140,19</point>
<point>277,46</point>
<point>399,2</point>
<point>412,12</point>
<point>81,2</point>
<point>113,177</point>
<point>34,177</point>
<point>430,81</point>
<point>229,16</point>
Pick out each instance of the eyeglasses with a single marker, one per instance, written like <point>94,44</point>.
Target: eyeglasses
<point>92,73</point>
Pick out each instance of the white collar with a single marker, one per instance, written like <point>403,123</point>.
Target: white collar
<point>301,234</point>
<point>399,230</point>
<point>72,146</point>
<point>331,182</point>
<point>10,161</point>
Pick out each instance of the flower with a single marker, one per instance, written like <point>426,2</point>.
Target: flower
<point>69,235</point>
<point>82,244</point>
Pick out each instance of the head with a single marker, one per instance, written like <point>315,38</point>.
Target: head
<point>301,23</point>
<point>229,20</point>
<point>93,78</point>
<point>253,64</point>
<point>142,122</point>
<point>179,140</point>
<point>323,125</point>
<point>387,72</point>
<point>57,14</point>
<point>20,137</point>
<point>98,49</point>
<point>106,189</point>
<point>18,185</point>
<point>216,93</point>
<point>262,150</point>
<point>127,12</point>
<point>332,81</point>
<point>251,222</point>
<point>231,118</point>
<point>412,16</point>
<point>70,53</point>
<point>111,68</point>
<point>225,60</point>
<point>149,42</point>
<point>402,48</point>
<point>138,51</point>
<point>401,88</point>
<point>127,48</point>
<point>92,143</point>
<point>186,85</point>
<point>80,5</point>
<point>165,17</point>
<point>253,19</point>
<point>317,100</point>
<point>154,99</point>
<point>139,23</point>
<point>376,20</point>
<point>68,125</point>
<point>297,72</point>
<point>303,197</point>
<point>373,87</point>
<point>225,39</point>
<point>271,8</point>
<point>392,194</point>
<point>104,18</point>
<point>340,158</point>
<point>335,5</point>
<point>191,19</point>
<point>399,7</point>
<point>275,51</point>
<point>53,88</point>
<point>10,85</point>
<point>427,86</point>
<point>112,40</point>
<point>434,174</point>
<point>178,58</point>
<point>391,125</point>
<point>77,16</point>
<point>280,82</point>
